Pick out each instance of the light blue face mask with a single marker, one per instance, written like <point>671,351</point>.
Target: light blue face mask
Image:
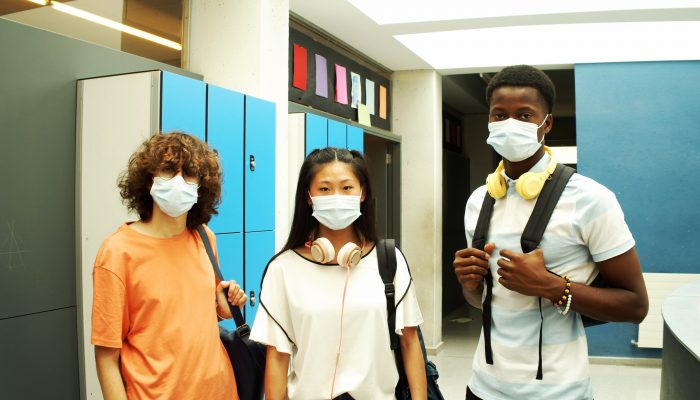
<point>336,211</point>
<point>514,140</point>
<point>174,196</point>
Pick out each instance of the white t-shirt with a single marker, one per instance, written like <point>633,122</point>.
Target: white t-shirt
<point>302,299</point>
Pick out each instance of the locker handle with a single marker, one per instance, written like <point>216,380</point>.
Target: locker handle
<point>252,298</point>
<point>252,162</point>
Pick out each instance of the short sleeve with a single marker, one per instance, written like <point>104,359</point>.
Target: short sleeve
<point>110,317</point>
<point>407,310</point>
<point>273,325</point>
<point>471,213</point>
<point>603,226</point>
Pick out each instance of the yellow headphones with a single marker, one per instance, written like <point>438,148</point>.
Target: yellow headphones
<point>528,186</point>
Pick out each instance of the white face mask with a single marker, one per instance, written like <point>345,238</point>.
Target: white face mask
<point>514,140</point>
<point>336,211</point>
<point>174,196</point>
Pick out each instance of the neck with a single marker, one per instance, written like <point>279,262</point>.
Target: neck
<point>515,169</point>
<point>164,226</point>
<point>339,238</point>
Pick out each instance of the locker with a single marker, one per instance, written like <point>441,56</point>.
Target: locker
<point>230,250</point>
<point>337,134</point>
<point>225,135</point>
<point>259,248</point>
<point>356,137</point>
<point>316,133</point>
<point>183,104</point>
<point>259,165</point>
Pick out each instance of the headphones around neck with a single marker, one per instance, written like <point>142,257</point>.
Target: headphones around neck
<point>528,186</point>
<point>322,251</point>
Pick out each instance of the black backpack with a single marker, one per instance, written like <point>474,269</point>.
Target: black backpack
<point>530,239</point>
<point>386,256</point>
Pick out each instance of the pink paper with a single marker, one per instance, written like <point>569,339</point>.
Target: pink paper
<point>341,84</point>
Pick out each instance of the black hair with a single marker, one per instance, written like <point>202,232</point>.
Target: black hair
<point>303,223</point>
<point>523,75</point>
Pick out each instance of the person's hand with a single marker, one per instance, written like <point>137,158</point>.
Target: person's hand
<point>471,265</point>
<point>527,274</point>
<point>236,296</point>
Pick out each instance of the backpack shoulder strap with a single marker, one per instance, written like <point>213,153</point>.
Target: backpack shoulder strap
<point>482,224</point>
<point>546,202</point>
<point>386,257</point>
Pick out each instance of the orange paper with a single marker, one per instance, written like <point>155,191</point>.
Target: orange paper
<point>382,102</point>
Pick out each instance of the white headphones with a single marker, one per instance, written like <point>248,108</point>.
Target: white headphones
<point>348,256</point>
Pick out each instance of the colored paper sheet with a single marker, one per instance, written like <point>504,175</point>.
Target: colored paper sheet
<point>321,76</point>
<point>363,115</point>
<point>382,102</point>
<point>369,96</point>
<point>341,84</point>
<point>299,81</point>
<point>356,90</point>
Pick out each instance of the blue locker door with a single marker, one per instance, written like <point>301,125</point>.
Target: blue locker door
<point>230,251</point>
<point>225,135</point>
<point>183,104</point>
<point>316,133</point>
<point>356,139</point>
<point>337,136</point>
<point>259,165</point>
<point>259,248</point>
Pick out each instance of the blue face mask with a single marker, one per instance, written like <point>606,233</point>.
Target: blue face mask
<point>336,212</point>
<point>514,140</point>
<point>174,196</point>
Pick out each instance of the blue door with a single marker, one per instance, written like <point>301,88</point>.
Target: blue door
<point>183,105</point>
<point>356,138</point>
<point>259,165</point>
<point>316,133</point>
<point>259,248</point>
<point>230,251</point>
<point>337,134</point>
<point>225,135</point>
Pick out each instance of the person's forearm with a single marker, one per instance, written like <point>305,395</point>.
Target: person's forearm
<point>109,374</point>
<point>276,367</point>
<point>414,365</point>
<point>474,296</point>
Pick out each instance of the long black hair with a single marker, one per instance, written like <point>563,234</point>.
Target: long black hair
<point>303,223</point>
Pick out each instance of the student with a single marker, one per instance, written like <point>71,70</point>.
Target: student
<point>156,299</point>
<point>331,319</point>
<point>587,234</point>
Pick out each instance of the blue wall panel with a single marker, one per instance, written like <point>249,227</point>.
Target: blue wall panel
<point>356,138</point>
<point>259,248</point>
<point>230,251</point>
<point>260,180</point>
<point>337,134</point>
<point>637,133</point>
<point>225,134</point>
<point>316,133</point>
<point>183,104</point>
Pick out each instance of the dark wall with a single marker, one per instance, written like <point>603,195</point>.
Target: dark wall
<point>637,133</point>
<point>38,332</point>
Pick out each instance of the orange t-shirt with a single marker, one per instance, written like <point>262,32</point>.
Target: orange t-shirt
<point>154,298</point>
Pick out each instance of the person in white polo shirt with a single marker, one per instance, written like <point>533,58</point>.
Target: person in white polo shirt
<point>536,347</point>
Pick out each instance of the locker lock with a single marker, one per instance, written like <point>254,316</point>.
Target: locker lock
<point>252,298</point>
<point>252,162</point>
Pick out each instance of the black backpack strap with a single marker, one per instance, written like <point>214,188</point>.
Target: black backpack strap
<point>478,242</point>
<point>235,311</point>
<point>386,257</point>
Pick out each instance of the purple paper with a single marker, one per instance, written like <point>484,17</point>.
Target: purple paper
<point>321,76</point>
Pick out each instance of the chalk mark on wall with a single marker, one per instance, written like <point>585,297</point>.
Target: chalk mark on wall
<point>11,250</point>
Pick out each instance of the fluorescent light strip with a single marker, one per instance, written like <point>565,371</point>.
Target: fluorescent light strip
<point>109,23</point>
<point>482,49</point>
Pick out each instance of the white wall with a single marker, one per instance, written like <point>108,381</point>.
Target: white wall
<point>417,118</point>
<point>243,46</point>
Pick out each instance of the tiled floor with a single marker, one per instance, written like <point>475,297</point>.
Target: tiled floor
<point>460,336</point>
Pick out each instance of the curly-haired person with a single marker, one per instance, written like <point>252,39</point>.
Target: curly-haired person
<point>156,299</point>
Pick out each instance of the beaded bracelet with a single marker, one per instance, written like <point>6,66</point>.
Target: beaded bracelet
<point>566,297</point>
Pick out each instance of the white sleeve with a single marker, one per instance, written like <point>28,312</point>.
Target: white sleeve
<point>407,309</point>
<point>273,325</point>
<point>471,213</point>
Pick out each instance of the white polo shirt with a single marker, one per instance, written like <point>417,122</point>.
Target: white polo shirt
<point>303,299</point>
<point>587,226</point>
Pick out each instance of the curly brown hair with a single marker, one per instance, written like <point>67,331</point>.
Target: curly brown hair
<point>175,151</point>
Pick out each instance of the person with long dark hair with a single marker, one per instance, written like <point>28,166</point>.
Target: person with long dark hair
<point>324,313</point>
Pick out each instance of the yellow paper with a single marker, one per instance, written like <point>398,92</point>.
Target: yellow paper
<point>363,115</point>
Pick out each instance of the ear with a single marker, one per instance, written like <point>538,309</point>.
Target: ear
<point>548,124</point>
<point>362,196</point>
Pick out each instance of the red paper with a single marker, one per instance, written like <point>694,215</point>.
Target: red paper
<point>299,81</point>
